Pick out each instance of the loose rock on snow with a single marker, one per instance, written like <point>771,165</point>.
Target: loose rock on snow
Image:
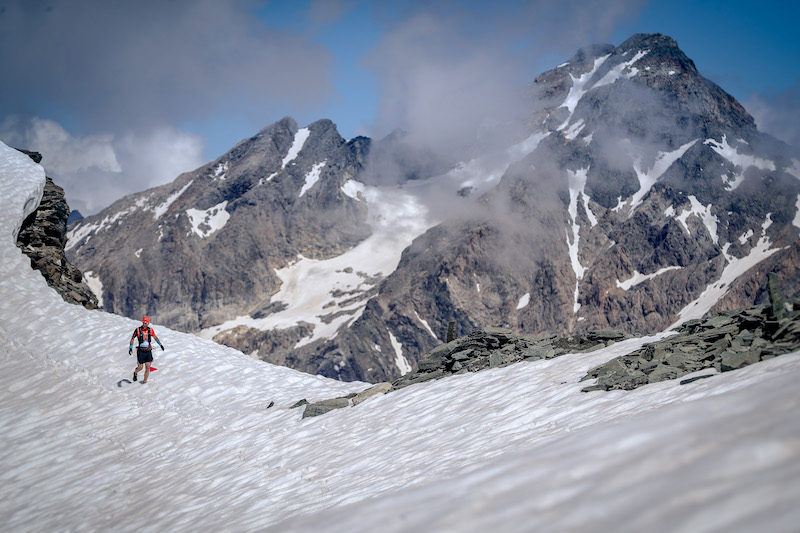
<point>726,341</point>
<point>489,348</point>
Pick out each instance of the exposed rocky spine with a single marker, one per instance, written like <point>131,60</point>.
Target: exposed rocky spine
<point>724,342</point>
<point>42,238</point>
<point>451,331</point>
<point>480,350</point>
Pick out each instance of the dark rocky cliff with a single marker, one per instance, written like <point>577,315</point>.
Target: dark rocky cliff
<point>42,238</point>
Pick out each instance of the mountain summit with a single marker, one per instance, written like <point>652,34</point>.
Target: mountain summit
<point>641,195</point>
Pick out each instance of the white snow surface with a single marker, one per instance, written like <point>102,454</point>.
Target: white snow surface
<point>703,212</point>
<point>312,177</point>
<point>638,277</point>
<point>577,183</point>
<point>648,178</point>
<point>77,234</point>
<point>796,221</point>
<point>619,71</point>
<point>735,267</point>
<point>511,449</point>
<point>579,88</point>
<point>315,290</point>
<point>399,359</point>
<point>95,285</point>
<point>299,140</point>
<point>162,208</point>
<point>425,325</point>
<point>573,131</point>
<point>220,171</point>
<point>740,162</point>
<point>207,221</point>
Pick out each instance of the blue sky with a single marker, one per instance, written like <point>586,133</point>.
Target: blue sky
<point>122,96</point>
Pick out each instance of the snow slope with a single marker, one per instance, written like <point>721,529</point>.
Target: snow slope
<point>514,449</point>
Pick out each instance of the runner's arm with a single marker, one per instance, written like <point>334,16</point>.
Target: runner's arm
<point>153,334</point>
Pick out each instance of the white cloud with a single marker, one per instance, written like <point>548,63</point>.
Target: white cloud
<point>452,77</point>
<point>778,114</point>
<point>158,156</point>
<point>96,170</point>
<point>66,153</point>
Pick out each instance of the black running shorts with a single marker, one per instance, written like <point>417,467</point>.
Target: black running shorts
<point>144,356</point>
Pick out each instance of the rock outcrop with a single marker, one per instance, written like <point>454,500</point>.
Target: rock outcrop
<point>499,347</point>
<point>726,341</point>
<point>42,238</point>
<point>480,350</point>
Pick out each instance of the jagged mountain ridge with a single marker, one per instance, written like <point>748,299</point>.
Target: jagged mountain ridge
<point>187,251</point>
<point>656,205</point>
<point>642,185</point>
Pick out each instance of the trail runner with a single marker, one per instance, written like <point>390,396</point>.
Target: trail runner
<point>143,336</point>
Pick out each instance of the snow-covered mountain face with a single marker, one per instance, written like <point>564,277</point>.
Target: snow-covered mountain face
<point>205,247</point>
<point>640,193</point>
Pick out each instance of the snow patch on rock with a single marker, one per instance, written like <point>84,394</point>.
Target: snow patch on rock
<point>619,71</point>
<point>699,210</point>
<point>425,325</point>
<point>741,162</point>
<point>648,178</point>
<point>638,277</point>
<point>735,268</point>
<point>400,360</point>
<point>299,140</point>
<point>162,208</point>
<point>312,177</point>
<point>92,281</point>
<point>205,222</point>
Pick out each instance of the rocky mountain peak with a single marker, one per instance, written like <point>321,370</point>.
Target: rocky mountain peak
<point>643,196</point>
<point>584,58</point>
<point>650,79</point>
<point>223,230</point>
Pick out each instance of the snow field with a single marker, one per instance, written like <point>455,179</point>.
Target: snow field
<point>512,449</point>
<point>730,470</point>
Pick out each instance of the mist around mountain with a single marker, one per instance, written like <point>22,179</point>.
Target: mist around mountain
<point>212,441</point>
<point>628,193</point>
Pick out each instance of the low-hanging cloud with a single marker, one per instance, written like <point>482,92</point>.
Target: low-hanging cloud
<point>95,170</point>
<point>68,154</point>
<point>778,114</point>
<point>453,78</point>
